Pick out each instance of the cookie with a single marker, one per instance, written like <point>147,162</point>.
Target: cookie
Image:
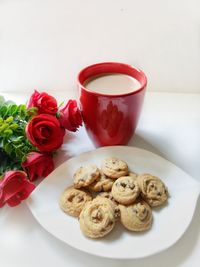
<point>97,218</point>
<point>86,175</point>
<point>107,195</point>
<point>133,174</point>
<point>153,190</point>
<point>103,184</point>
<point>115,204</point>
<point>137,216</point>
<point>114,168</point>
<point>125,190</point>
<point>73,200</point>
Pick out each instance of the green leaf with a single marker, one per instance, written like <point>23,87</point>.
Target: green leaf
<point>3,127</point>
<point>8,163</point>
<point>13,126</point>
<point>8,132</point>
<point>24,158</point>
<point>32,111</point>
<point>14,145</point>
<point>22,110</point>
<point>3,111</point>
<point>58,115</point>
<point>22,107</point>
<point>16,139</point>
<point>13,109</point>
<point>8,148</point>
<point>1,143</point>
<point>2,100</point>
<point>19,152</point>
<point>9,119</point>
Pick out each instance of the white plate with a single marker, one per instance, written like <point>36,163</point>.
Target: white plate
<point>170,221</point>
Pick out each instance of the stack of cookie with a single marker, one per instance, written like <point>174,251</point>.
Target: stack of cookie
<point>100,197</point>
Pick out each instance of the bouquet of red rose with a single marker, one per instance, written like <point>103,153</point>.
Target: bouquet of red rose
<point>29,135</point>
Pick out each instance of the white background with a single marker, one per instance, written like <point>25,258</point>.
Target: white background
<point>44,43</point>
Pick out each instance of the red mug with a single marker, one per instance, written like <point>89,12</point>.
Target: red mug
<point>110,119</point>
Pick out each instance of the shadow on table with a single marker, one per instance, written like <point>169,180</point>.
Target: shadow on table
<point>139,141</point>
<point>63,153</point>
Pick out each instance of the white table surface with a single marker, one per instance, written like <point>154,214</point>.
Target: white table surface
<point>170,127</point>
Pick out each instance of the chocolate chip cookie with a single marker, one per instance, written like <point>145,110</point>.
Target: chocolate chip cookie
<point>72,201</point>
<point>97,218</point>
<point>137,216</point>
<point>125,190</point>
<point>114,167</point>
<point>86,175</point>
<point>103,184</point>
<point>153,190</point>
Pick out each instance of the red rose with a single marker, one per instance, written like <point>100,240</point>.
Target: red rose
<point>45,132</point>
<point>46,104</point>
<point>70,116</point>
<point>14,187</point>
<point>38,165</point>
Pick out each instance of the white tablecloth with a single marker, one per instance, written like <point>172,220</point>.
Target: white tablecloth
<point>170,127</point>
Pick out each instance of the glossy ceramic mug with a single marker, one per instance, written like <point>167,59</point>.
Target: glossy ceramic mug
<point>110,119</point>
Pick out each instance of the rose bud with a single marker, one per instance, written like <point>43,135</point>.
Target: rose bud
<point>70,116</point>
<point>38,165</point>
<point>45,104</point>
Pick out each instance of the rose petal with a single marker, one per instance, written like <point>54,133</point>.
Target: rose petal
<point>38,165</point>
<point>2,199</point>
<point>21,195</point>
